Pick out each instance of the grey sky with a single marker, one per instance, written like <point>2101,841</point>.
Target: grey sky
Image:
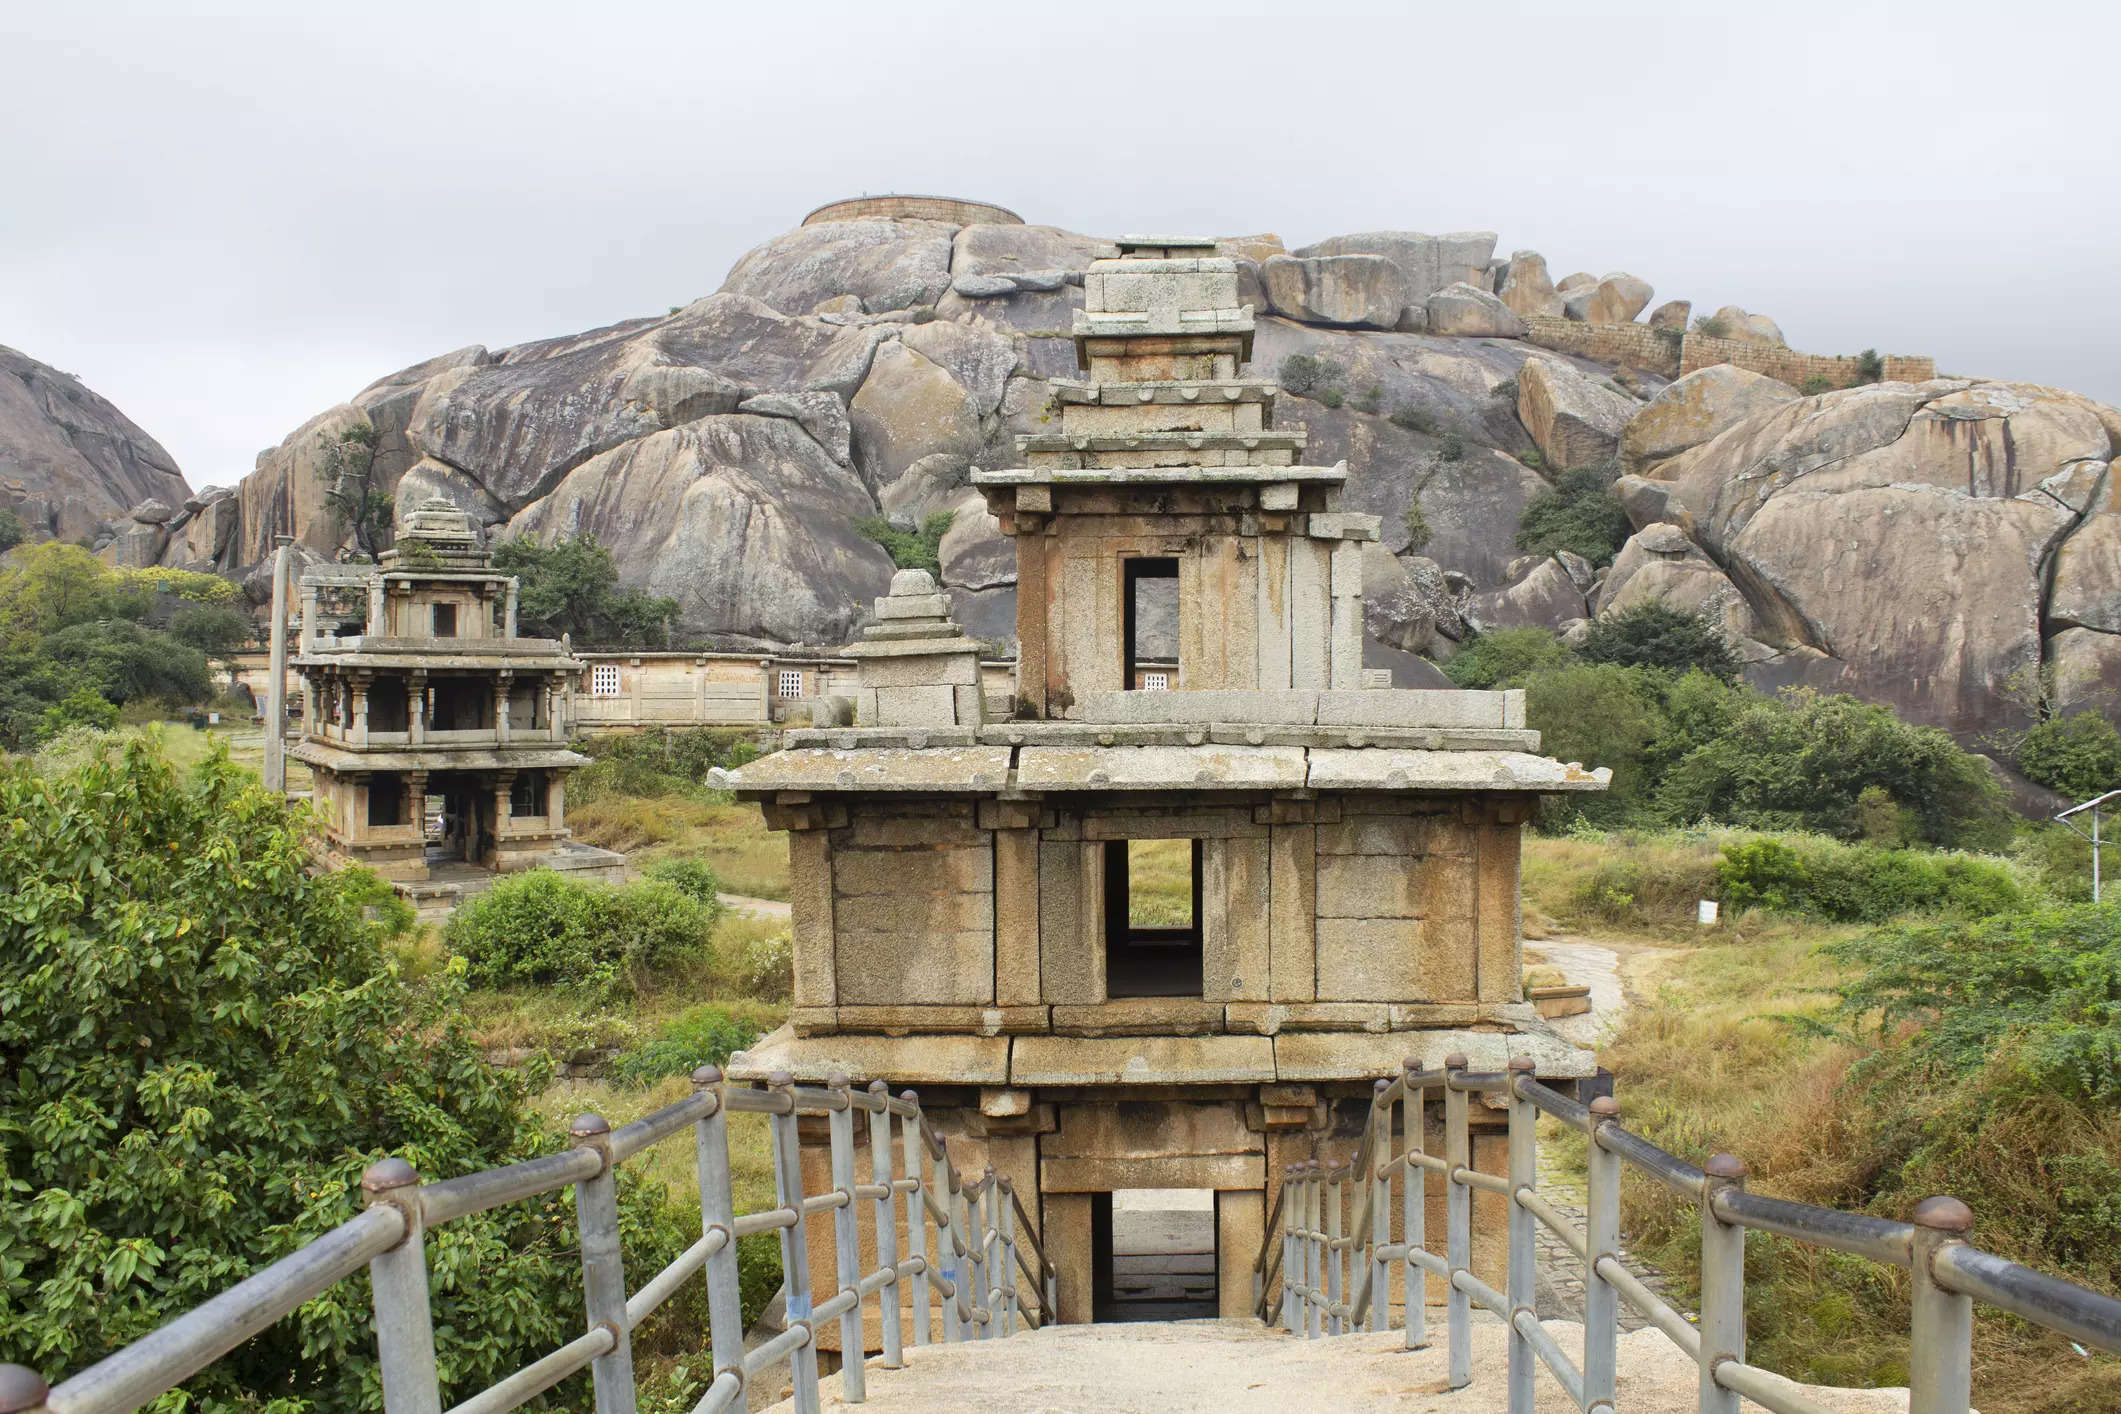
<point>227,218</point>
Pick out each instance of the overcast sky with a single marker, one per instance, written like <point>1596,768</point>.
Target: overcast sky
<point>227,218</point>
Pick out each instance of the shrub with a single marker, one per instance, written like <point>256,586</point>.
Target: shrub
<point>1452,448</point>
<point>1414,419</point>
<point>1331,397</point>
<point>206,1043</point>
<point>657,763</point>
<point>1535,459</point>
<point>2079,756</point>
<point>1505,657</point>
<point>1870,368</point>
<point>1861,883</point>
<point>214,629</point>
<point>1600,714</point>
<point>1504,392</point>
<point>1816,384</point>
<point>1306,375</point>
<point>1657,636</point>
<point>1417,527</point>
<point>694,878</point>
<point>1714,326</point>
<point>12,531</point>
<point>1578,513</point>
<point>543,929</point>
<point>1372,399</point>
<point>758,964</point>
<point>705,1035</point>
<point>917,549</point>
<point>127,661</point>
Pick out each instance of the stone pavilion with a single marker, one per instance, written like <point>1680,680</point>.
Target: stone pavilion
<point>969,895</point>
<point>435,701</point>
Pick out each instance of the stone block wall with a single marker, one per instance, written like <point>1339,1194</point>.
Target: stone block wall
<point>1672,355</point>
<point>1360,913</point>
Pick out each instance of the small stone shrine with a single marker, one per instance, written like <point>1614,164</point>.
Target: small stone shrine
<point>1139,939</point>
<point>436,697</point>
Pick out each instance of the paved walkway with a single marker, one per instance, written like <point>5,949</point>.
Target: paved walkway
<point>1242,1367</point>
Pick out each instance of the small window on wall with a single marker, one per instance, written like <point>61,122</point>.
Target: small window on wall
<point>1156,682</point>
<point>445,621</point>
<point>791,682</point>
<point>1152,918</point>
<point>386,800</point>
<point>604,680</point>
<point>526,794</point>
<point>1150,609</point>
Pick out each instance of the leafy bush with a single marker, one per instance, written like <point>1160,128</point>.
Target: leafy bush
<point>1534,458</point>
<point>1331,397</point>
<point>705,1035</point>
<point>12,531</point>
<point>1505,657</point>
<point>1417,525</point>
<point>205,1044</point>
<point>657,763</point>
<point>1372,399</point>
<point>541,928</point>
<point>1307,375</point>
<point>1452,448</point>
<point>214,629</point>
<point>1504,392</point>
<point>2079,756</point>
<point>572,586</point>
<point>694,878</point>
<point>127,661</point>
<point>1578,513</point>
<point>919,548</point>
<point>1816,384</point>
<point>1870,368</point>
<point>1861,883</point>
<point>1601,715</point>
<point>1658,636</point>
<point>1414,419</point>
<point>1714,326</point>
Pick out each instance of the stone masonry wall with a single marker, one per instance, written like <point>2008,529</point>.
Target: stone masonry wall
<point>1672,355</point>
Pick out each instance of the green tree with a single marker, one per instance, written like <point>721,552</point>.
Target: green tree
<point>1417,525</point>
<point>205,1042</point>
<point>214,629</point>
<point>1505,657</point>
<point>916,549</point>
<point>1578,513</point>
<point>360,506</point>
<point>572,586</point>
<point>1599,714</point>
<point>127,661</point>
<point>1658,636</point>
<point>50,585</point>
<point>83,707</point>
<point>2078,755</point>
<point>1802,761</point>
<point>30,686</point>
<point>12,531</point>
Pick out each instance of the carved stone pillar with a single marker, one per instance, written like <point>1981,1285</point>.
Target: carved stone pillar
<point>501,685</point>
<point>416,707</point>
<point>508,620</point>
<point>360,709</point>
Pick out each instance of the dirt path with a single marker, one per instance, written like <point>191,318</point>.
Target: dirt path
<point>758,907</point>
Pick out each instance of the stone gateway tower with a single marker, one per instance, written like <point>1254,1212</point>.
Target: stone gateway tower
<point>1141,938</point>
<point>436,697</point>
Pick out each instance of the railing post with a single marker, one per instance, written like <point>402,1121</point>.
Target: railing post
<point>596,1204</point>
<point>846,1241</point>
<point>945,1194</point>
<point>795,1243</point>
<point>996,1282</point>
<point>725,1300</point>
<point>1414,1205</point>
<point>1005,1205</point>
<point>1458,1219</point>
<point>1601,1304</point>
<point>405,1337</point>
<point>1379,1187</point>
<point>1522,1279</point>
<point>1722,1322</point>
<point>1940,1361</point>
<point>22,1390</point>
<point>1292,1273</point>
<point>973,1290</point>
<point>1314,1248</point>
<point>917,1220</point>
<point>1336,1281</point>
<point>883,1170</point>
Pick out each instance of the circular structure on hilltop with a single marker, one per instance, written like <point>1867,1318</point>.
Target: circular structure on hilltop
<point>892,206</point>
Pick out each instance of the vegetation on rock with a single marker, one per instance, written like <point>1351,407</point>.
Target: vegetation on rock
<point>1578,513</point>
<point>919,548</point>
<point>572,586</point>
<point>2078,755</point>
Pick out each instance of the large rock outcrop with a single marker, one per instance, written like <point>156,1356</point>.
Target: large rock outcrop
<point>69,461</point>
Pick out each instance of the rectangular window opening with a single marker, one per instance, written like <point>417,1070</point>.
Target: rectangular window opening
<point>526,794</point>
<point>604,680</point>
<point>791,682</point>
<point>445,620</point>
<point>1149,605</point>
<point>386,799</point>
<point>1152,918</point>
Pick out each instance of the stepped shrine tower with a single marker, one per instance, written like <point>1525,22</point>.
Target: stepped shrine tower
<point>436,698</point>
<point>1138,939</point>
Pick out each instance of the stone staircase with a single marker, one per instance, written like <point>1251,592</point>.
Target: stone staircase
<point>1242,1367</point>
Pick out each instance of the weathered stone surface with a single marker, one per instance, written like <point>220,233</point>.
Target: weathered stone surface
<point>2087,592</point>
<point>151,512</point>
<point>1425,263</point>
<point>744,520</point>
<point>822,415</point>
<point>887,264</point>
<point>911,1060</point>
<point>60,442</point>
<point>1363,291</point>
<point>1616,299</point>
<point>1141,1060</point>
<point>1528,289</point>
<point>1648,502</point>
<point>1694,409</point>
<point>1408,604</point>
<point>910,408</point>
<point>1575,421</point>
<point>1324,1057</point>
<point>1546,597</point>
<point>1012,252</point>
<point>1467,311</point>
<point>2087,668</point>
<point>1581,280</point>
<point>1734,323</point>
<point>974,552</point>
<point>977,358</point>
<point>1672,314</point>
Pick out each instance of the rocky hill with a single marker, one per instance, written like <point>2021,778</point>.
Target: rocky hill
<point>1921,543</point>
<point>71,465</point>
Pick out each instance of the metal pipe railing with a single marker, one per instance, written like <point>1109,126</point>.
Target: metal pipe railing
<point>982,1233</point>
<point>1309,1247</point>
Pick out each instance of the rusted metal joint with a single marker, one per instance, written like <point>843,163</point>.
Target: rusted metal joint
<point>388,1182</point>
<point>593,1131</point>
<point>707,1075</point>
<point>22,1390</point>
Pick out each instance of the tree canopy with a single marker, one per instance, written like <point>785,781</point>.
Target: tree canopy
<point>572,586</point>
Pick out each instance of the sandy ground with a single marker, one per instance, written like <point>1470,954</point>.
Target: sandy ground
<point>1240,1367</point>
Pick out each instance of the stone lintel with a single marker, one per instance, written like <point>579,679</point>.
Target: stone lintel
<point>894,738</point>
<point>974,768</point>
<point>1160,768</point>
<point>1387,769</point>
<point>945,1060</point>
<point>1119,393</point>
<point>1246,1172</point>
<point>948,641</point>
<point>1158,475</point>
<point>1338,1056</point>
<point>1141,1060</point>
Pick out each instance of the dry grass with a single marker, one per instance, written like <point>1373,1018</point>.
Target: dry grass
<point>732,837</point>
<point>1160,883</point>
<point>675,1161</point>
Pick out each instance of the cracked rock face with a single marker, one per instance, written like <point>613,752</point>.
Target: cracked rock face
<point>68,459</point>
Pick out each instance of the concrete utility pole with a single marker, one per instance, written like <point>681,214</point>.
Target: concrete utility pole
<point>276,683</point>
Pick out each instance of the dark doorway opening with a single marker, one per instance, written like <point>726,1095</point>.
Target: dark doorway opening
<point>1150,611</point>
<point>1153,1255</point>
<point>1152,918</point>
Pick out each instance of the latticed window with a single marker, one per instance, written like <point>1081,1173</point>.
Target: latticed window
<point>604,680</point>
<point>1156,682</point>
<point>791,682</point>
